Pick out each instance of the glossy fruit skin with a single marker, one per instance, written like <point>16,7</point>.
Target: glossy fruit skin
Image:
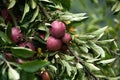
<point>16,35</point>
<point>27,45</point>
<point>66,38</point>
<point>45,76</point>
<point>57,29</point>
<point>53,44</point>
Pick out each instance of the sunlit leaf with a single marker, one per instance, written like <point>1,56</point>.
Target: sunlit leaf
<point>68,67</point>
<point>99,33</point>
<point>11,4</point>
<point>92,66</point>
<point>33,4</point>
<point>97,49</point>
<point>107,61</point>
<point>13,74</point>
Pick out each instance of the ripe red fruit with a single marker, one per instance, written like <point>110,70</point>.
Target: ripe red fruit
<point>45,76</point>
<point>66,38</point>
<point>27,45</point>
<point>53,44</point>
<point>16,34</point>
<point>57,29</point>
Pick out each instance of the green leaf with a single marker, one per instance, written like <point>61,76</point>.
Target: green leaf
<point>33,4</point>
<point>86,37</point>
<point>4,37</point>
<point>116,6</point>
<point>73,17</point>
<point>79,66</point>
<point>52,68</point>
<point>99,33</point>
<point>33,66</point>
<point>67,57</point>
<point>11,4</point>
<point>66,4</point>
<point>22,52</point>
<point>26,10</point>
<point>13,74</point>
<point>68,67</point>
<point>104,42</point>
<point>97,49</point>
<point>107,61</point>
<point>35,14</point>
<point>92,67</point>
<point>84,49</point>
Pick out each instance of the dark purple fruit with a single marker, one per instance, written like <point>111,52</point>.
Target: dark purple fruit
<point>16,34</point>
<point>27,45</point>
<point>53,44</point>
<point>57,29</point>
<point>66,38</point>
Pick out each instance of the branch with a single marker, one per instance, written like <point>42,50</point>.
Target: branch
<point>85,67</point>
<point>44,11</point>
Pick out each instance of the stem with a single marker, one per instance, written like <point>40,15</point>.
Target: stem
<point>85,67</point>
<point>44,11</point>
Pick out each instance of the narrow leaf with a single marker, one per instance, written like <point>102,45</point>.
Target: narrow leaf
<point>99,32</point>
<point>26,10</point>
<point>92,66</point>
<point>33,4</point>
<point>106,61</point>
<point>35,14</point>
<point>11,4</point>
<point>97,49</point>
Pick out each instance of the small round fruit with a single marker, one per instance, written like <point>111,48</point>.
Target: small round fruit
<point>45,76</point>
<point>19,60</point>
<point>53,44</point>
<point>16,34</point>
<point>27,45</point>
<point>57,29</point>
<point>66,38</point>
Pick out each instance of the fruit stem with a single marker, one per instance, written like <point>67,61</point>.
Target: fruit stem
<point>44,11</point>
<point>82,63</point>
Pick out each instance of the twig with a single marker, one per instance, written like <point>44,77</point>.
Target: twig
<point>86,69</point>
<point>44,11</point>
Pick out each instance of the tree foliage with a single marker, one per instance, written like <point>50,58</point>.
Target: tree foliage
<point>92,54</point>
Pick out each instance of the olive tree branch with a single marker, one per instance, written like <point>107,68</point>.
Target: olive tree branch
<point>44,11</point>
<point>82,63</point>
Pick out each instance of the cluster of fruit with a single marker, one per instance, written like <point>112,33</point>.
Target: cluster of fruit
<point>58,39</point>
